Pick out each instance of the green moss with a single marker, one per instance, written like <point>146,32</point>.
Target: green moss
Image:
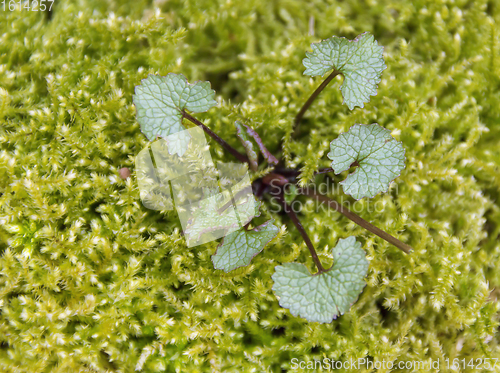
<point>90,280</point>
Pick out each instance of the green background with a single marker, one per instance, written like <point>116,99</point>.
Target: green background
<point>91,281</point>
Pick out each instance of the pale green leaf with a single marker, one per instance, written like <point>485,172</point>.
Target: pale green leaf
<point>178,142</point>
<point>210,216</point>
<point>360,61</point>
<point>322,297</point>
<point>239,247</point>
<point>378,156</point>
<point>160,101</point>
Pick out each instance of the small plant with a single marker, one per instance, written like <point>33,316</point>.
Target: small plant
<point>163,103</point>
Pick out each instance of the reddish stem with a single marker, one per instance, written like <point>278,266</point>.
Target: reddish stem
<point>311,99</point>
<point>241,157</point>
<point>358,220</point>
<point>323,171</point>
<point>302,231</point>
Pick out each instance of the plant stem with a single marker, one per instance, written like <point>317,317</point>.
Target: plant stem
<point>266,153</point>
<point>302,231</point>
<point>213,135</point>
<point>286,171</point>
<point>277,179</point>
<point>311,99</point>
<point>323,171</point>
<point>360,221</point>
<point>241,192</point>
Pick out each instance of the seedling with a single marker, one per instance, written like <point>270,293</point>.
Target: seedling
<point>163,103</point>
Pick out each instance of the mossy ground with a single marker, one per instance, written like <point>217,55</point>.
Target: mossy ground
<point>91,281</point>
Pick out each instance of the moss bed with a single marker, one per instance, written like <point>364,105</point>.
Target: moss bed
<point>91,281</point>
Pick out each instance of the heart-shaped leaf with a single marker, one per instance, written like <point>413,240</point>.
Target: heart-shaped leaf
<point>379,157</point>
<point>360,61</point>
<point>209,216</point>
<point>239,247</point>
<point>322,297</point>
<point>160,100</point>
